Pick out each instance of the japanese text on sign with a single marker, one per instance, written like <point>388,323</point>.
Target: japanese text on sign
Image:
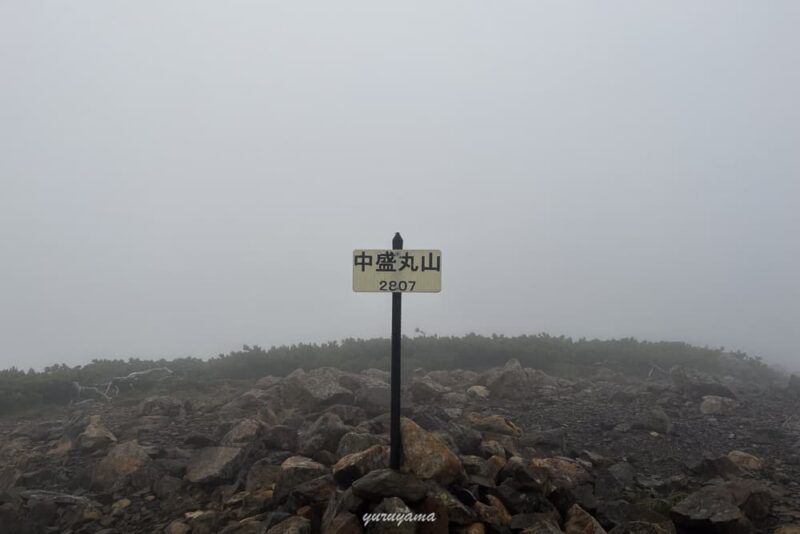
<point>406,271</point>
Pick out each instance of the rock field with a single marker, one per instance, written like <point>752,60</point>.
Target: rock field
<point>505,450</point>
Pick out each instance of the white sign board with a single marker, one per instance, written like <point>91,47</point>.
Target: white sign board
<point>397,271</point>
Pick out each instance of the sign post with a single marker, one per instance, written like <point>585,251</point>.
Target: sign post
<point>395,444</point>
<point>397,271</point>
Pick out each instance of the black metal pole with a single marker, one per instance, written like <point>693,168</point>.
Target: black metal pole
<point>396,451</point>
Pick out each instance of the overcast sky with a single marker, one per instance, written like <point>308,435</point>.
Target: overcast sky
<point>179,178</point>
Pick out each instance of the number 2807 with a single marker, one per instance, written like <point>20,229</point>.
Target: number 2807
<point>394,285</point>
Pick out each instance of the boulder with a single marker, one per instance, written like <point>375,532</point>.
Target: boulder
<point>494,513</point>
<point>122,461</point>
<point>95,436</point>
<point>214,464</point>
<point>514,382</point>
<point>579,521</point>
<point>266,382</point>
<point>697,384</point>
<point>710,509</point>
<point>426,389</point>
<point>41,509</point>
<point>163,405</point>
<point>281,437</point>
<point>354,466</point>
<point>654,419</point>
<point>716,405</point>
<point>382,483</point>
<point>316,388</point>
<point>350,415</point>
<point>294,525</point>
<point>456,512</point>
<point>295,471</point>
<point>262,476</point>
<point>496,424</point>
<point>342,523</point>
<point>752,497</point>
<point>358,441</point>
<point>563,473</point>
<point>526,474</point>
<point>747,461</point>
<point>395,508</point>
<point>323,435</point>
<point>375,397</point>
<point>478,393</point>
<point>482,471</point>
<point>244,432</point>
<point>520,499</point>
<point>426,456</point>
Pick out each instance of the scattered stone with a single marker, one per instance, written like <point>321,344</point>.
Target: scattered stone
<point>122,461</point>
<point>293,525</point>
<point>745,460</point>
<point>244,432</point>
<point>95,436</point>
<point>354,466</point>
<point>580,522</point>
<point>425,455</point>
<point>496,424</point>
<point>323,435</point>
<point>655,419</point>
<point>710,509</point>
<point>213,464</point>
<point>164,405</point>
<point>383,483</point>
<point>715,405</point>
<point>318,387</point>
<point>262,476</point>
<point>425,389</point>
<point>295,471</point>
<point>359,441</point>
<point>397,508</point>
<point>478,393</point>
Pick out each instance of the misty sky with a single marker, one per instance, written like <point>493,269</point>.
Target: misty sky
<point>179,178</point>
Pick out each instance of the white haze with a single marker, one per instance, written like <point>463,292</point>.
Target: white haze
<point>179,178</point>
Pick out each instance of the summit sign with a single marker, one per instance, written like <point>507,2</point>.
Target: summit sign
<point>397,271</point>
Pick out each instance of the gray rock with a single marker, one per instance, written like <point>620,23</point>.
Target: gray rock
<point>323,435</point>
<point>293,525</point>
<point>710,509</point>
<point>214,464</point>
<point>164,405</point>
<point>294,472</point>
<point>383,483</point>
<point>122,461</point>
<point>359,441</point>
<point>654,419</point>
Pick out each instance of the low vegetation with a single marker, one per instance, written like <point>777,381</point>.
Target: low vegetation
<point>560,356</point>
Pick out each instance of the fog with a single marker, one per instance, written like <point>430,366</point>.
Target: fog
<point>180,178</point>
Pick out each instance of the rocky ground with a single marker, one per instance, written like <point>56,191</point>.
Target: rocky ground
<point>507,450</point>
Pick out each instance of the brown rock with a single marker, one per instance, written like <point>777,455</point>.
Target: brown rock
<point>121,461</point>
<point>244,432</point>
<point>213,464</point>
<point>425,455</point>
<point>496,424</point>
<point>710,509</point>
<point>580,522</point>
<point>354,466</point>
<point>95,436</point>
<point>715,405</point>
<point>745,460</point>
<point>296,471</point>
<point>262,476</point>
